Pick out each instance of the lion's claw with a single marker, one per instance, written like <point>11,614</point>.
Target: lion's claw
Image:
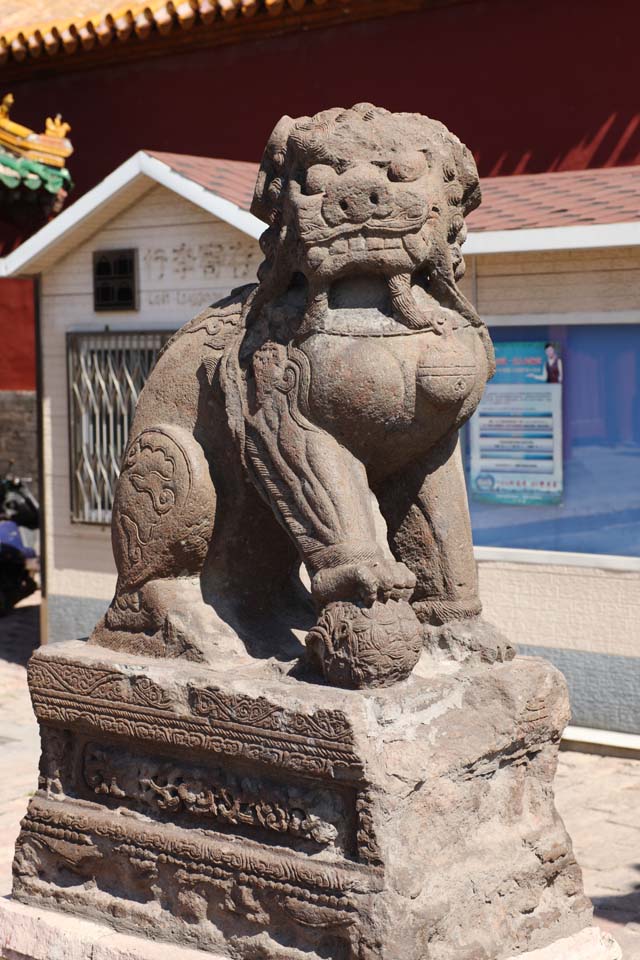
<point>364,582</point>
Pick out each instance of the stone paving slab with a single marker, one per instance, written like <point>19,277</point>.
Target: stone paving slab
<point>597,796</point>
<point>19,740</point>
<point>599,799</point>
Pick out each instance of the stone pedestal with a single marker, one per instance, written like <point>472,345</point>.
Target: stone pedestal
<point>261,817</point>
<point>30,933</point>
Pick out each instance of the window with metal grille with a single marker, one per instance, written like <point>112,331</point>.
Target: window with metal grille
<point>114,280</point>
<point>106,374</point>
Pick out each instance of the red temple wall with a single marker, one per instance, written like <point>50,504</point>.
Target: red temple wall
<point>530,86</point>
<point>17,336</point>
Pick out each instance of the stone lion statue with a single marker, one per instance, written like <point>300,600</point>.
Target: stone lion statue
<point>314,417</point>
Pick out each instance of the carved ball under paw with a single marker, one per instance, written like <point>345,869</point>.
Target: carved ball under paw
<point>372,646</point>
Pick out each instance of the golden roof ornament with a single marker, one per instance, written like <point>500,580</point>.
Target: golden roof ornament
<point>7,102</point>
<point>56,128</point>
<point>51,147</point>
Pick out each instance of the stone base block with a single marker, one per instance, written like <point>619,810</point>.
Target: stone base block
<point>261,817</point>
<point>32,933</point>
<point>590,944</point>
<point>29,933</point>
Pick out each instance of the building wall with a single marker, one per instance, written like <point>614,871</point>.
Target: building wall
<point>18,428</point>
<point>556,283</point>
<point>17,335</point>
<point>583,618</point>
<point>186,261</point>
<point>18,435</point>
<point>586,618</point>
<point>475,65</point>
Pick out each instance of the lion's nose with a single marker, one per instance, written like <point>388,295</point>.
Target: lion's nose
<point>356,197</point>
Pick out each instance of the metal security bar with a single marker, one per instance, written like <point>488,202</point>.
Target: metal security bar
<point>106,373</point>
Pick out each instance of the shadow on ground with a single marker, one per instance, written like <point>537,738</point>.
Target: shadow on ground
<point>620,908</point>
<point>20,634</point>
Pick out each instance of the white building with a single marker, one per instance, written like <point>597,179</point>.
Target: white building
<point>549,257</point>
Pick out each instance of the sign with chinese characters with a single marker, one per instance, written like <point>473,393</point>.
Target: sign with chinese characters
<point>191,269</point>
<point>516,433</point>
<point>184,261</point>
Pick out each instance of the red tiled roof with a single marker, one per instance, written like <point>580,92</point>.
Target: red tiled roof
<point>568,199</point>
<point>233,180</point>
<point>572,198</point>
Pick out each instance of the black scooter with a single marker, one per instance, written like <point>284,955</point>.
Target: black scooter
<point>18,561</point>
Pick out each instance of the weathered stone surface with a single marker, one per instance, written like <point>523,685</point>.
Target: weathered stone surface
<point>294,419</point>
<point>227,809</point>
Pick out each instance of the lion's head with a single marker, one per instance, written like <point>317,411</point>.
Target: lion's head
<point>365,191</point>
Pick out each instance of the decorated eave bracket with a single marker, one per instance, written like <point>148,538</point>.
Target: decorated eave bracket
<point>34,160</point>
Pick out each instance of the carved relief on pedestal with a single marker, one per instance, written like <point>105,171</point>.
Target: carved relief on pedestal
<point>218,797</point>
<point>261,884</point>
<point>233,809</point>
<point>207,718</point>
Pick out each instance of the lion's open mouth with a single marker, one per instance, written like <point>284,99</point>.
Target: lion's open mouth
<point>420,300</point>
<point>419,294</point>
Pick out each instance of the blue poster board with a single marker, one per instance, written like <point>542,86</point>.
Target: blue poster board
<point>516,433</point>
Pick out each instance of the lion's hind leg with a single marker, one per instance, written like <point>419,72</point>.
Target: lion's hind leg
<point>163,517</point>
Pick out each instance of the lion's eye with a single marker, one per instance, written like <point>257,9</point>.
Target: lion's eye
<point>318,178</point>
<point>408,167</point>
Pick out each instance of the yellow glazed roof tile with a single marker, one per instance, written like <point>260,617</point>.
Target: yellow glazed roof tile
<point>29,30</point>
<point>52,146</point>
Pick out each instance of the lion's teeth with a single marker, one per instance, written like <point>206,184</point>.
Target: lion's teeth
<point>359,244</point>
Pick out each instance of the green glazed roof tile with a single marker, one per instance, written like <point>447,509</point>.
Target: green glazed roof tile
<point>33,175</point>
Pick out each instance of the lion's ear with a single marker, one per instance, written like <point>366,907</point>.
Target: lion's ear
<point>271,168</point>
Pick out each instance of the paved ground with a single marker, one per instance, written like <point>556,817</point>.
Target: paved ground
<point>599,800</point>
<point>19,742</point>
<point>598,797</point>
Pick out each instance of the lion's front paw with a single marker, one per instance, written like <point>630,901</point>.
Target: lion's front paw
<point>364,582</point>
